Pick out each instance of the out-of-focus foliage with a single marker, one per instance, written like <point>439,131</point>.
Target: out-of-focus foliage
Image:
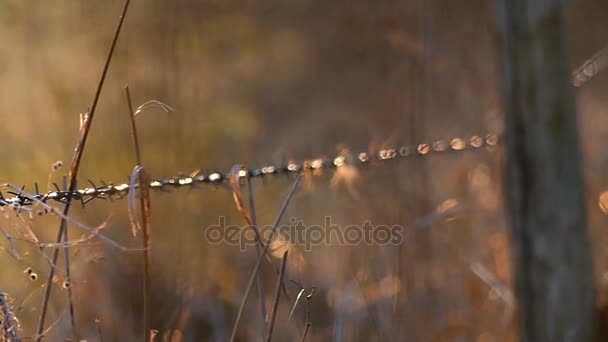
<point>267,81</point>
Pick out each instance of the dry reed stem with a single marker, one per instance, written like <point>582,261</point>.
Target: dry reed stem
<point>264,251</point>
<point>47,330</point>
<point>146,210</point>
<point>277,294</point>
<point>62,233</point>
<point>293,308</point>
<point>308,324</point>
<point>308,299</point>
<point>259,283</point>
<point>308,318</point>
<point>252,222</point>
<point>133,126</point>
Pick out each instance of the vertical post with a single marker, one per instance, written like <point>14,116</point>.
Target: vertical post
<point>544,185</point>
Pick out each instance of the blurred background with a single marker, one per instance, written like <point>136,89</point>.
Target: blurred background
<point>255,82</point>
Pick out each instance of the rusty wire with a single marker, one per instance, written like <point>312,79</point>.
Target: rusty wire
<point>21,199</point>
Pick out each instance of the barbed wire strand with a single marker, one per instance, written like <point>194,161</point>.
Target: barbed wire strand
<point>20,198</point>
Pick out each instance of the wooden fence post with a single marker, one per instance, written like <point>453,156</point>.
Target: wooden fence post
<point>544,184</point>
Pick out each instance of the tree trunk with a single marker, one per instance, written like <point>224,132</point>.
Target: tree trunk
<point>553,264</point>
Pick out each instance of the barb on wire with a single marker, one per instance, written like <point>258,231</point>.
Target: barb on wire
<point>590,68</point>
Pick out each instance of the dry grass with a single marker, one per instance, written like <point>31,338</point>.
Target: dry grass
<point>249,85</point>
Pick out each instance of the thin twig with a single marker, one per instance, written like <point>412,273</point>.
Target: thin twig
<point>306,328</point>
<point>146,209</point>
<point>235,185</point>
<point>277,294</point>
<point>293,308</point>
<point>62,234</point>
<point>133,127</point>
<point>258,250</point>
<point>259,261</point>
<point>308,318</point>
<point>308,299</point>
<point>249,218</point>
<point>68,277</point>
<point>47,330</point>
<point>254,219</point>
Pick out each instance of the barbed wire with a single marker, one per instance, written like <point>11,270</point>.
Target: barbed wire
<point>21,198</point>
<point>589,69</point>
